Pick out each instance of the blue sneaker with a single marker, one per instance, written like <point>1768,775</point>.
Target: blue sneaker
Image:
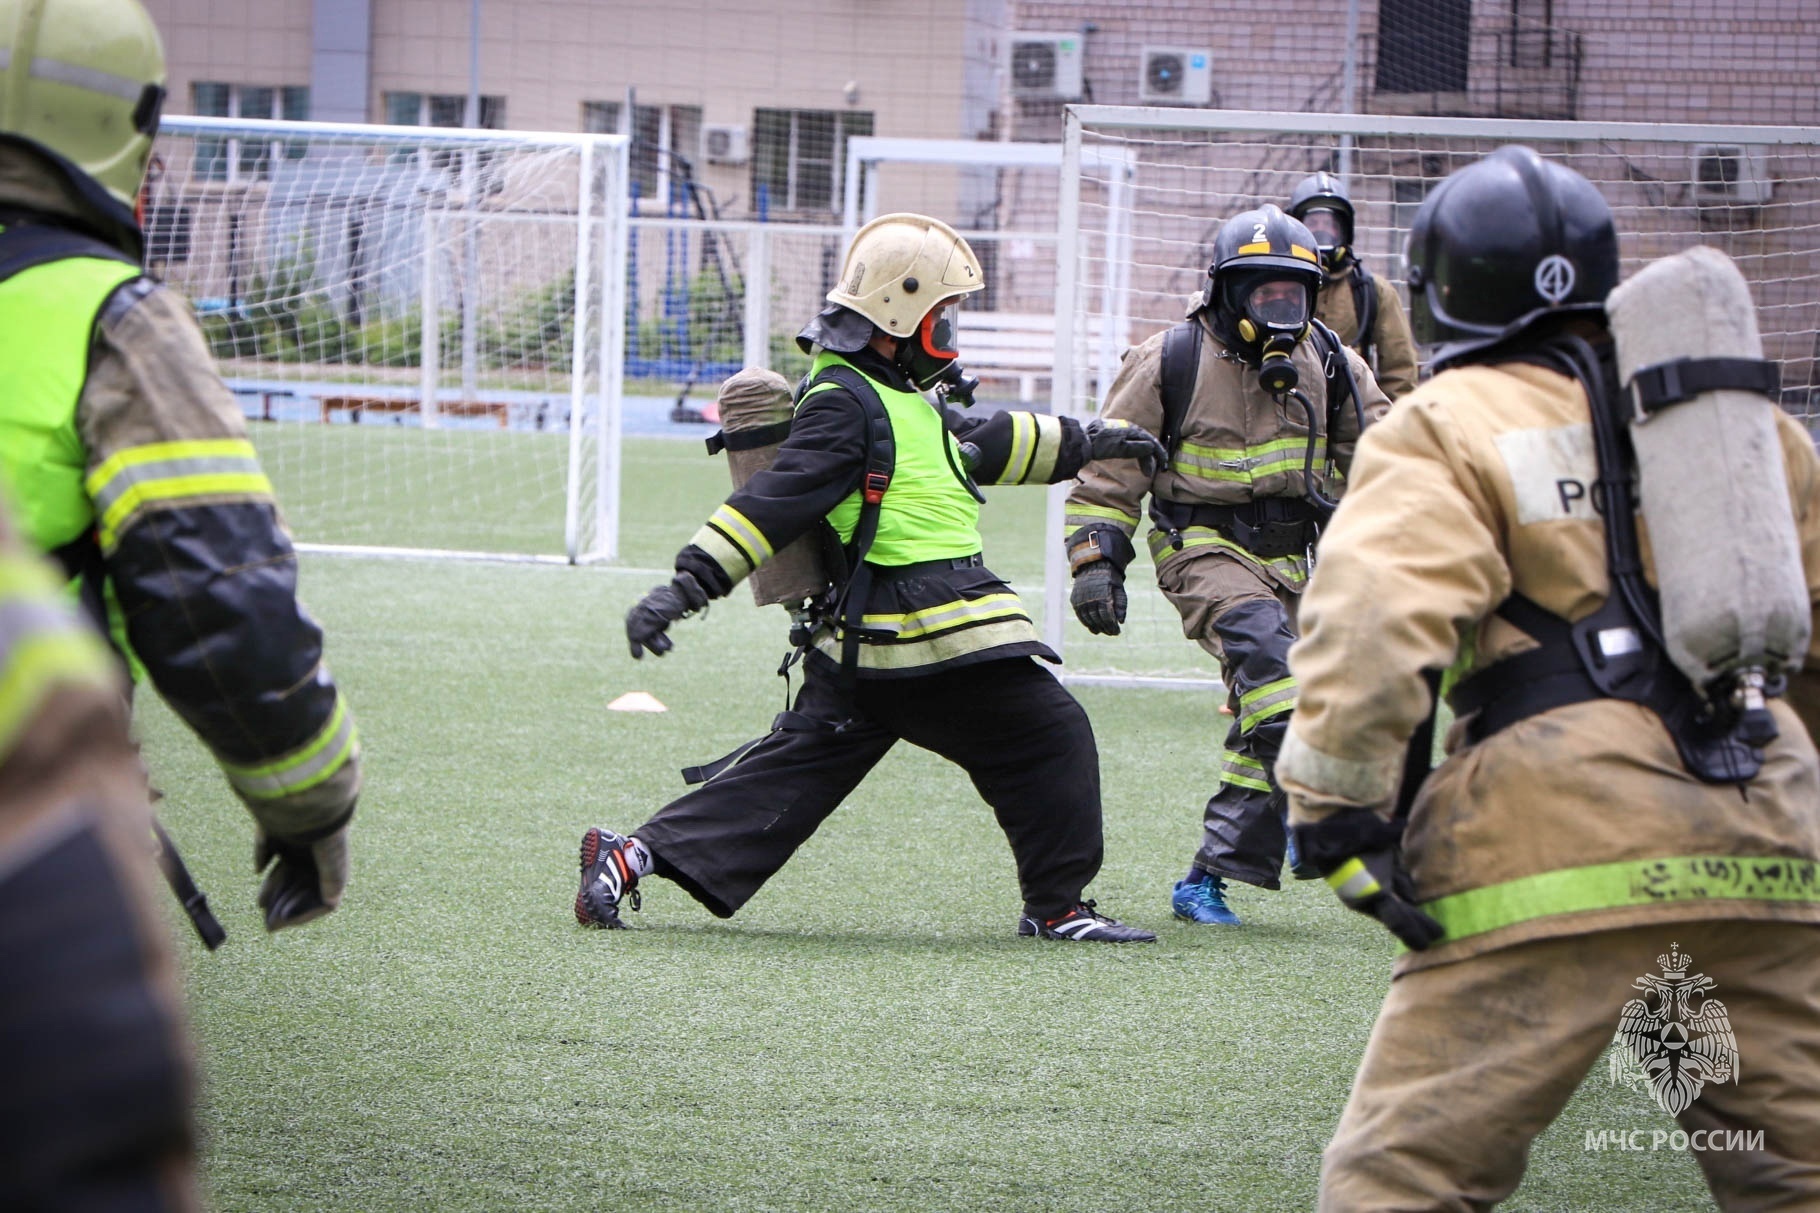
<point>1202,898</point>
<point>1298,869</point>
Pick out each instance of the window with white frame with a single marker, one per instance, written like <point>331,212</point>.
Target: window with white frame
<point>798,156</point>
<point>442,109</point>
<point>665,141</point>
<point>237,159</point>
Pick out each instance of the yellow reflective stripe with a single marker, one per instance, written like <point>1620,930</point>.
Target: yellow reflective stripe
<point>42,643</point>
<point>1630,882</point>
<point>38,663</point>
<point>934,650</point>
<point>1293,569</point>
<point>1252,720</point>
<point>1352,881</point>
<point>913,624</point>
<point>1256,246</point>
<point>737,527</point>
<point>1244,771</point>
<point>1261,703</point>
<point>731,559</point>
<point>1230,466</point>
<point>1048,448</point>
<point>1306,254</point>
<point>302,769</point>
<point>1023,448</point>
<point>166,472</point>
<point>1079,515</point>
<point>1248,453</point>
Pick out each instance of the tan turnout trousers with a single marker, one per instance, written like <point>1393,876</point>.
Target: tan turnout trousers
<point>1470,1061</point>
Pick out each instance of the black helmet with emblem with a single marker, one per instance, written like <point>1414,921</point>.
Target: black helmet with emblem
<point>1251,249</point>
<point>1323,195</point>
<point>1505,244</point>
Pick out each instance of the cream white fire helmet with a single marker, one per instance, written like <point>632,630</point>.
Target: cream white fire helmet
<point>900,266</point>
<point>83,79</point>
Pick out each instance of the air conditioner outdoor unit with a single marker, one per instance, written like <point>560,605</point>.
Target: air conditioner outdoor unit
<point>1176,75</point>
<point>1725,174</point>
<point>723,144</point>
<point>1046,67</point>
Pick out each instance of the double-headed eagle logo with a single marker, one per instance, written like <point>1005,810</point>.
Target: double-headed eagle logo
<point>1680,1037</point>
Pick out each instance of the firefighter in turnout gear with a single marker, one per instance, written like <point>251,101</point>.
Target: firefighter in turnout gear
<point>96,1102</point>
<point>1595,816</point>
<point>129,457</point>
<point>1234,513</point>
<point>922,643</point>
<point>1361,307</point>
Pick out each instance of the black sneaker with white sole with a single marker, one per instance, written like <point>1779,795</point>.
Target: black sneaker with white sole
<point>1083,923</point>
<point>606,880</point>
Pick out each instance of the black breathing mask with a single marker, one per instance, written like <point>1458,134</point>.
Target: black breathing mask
<point>1276,369</point>
<point>1272,318</point>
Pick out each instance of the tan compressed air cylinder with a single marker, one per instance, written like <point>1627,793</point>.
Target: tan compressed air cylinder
<point>750,400</point>
<point>1712,487</point>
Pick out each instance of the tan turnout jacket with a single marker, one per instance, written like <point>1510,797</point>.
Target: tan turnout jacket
<point>1575,820</point>
<point>1238,443</point>
<point>1394,349</point>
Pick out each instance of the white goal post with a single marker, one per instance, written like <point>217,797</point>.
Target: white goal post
<point>1752,191</point>
<point>424,326</point>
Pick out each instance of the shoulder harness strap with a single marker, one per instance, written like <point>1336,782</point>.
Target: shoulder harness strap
<point>881,461</point>
<point>1181,363</point>
<point>1365,306</point>
<point>1616,652</point>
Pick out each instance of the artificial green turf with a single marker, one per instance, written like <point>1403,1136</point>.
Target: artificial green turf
<point>866,1034</point>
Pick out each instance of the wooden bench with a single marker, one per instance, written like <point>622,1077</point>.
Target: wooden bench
<point>355,405</point>
<point>1016,346</point>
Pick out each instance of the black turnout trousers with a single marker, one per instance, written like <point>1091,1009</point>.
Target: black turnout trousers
<point>1017,732</point>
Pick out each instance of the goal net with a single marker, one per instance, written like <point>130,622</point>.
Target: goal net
<point>422,326</point>
<point>1145,190</point>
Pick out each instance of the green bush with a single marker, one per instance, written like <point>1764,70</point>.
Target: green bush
<point>393,341</point>
<point>540,332</point>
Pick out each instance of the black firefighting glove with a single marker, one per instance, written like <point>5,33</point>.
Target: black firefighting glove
<point>1359,855</point>
<point>1108,438</point>
<point>649,621</point>
<point>303,880</point>
<point>1098,597</point>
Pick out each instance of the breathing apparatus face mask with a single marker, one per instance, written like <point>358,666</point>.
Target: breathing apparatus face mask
<point>1329,232</point>
<point>928,353</point>
<point>1272,319</point>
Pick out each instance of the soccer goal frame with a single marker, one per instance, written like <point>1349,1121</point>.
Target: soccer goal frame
<point>431,320</point>
<point>1751,190</point>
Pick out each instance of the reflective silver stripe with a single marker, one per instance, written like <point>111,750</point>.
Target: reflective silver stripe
<point>92,79</point>
<point>130,475</point>
<point>1088,515</point>
<point>1048,449</point>
<point>933,650</point>
<point>313,763</point>
<point>1293,569</point>
<point>6,57</point>
<point>1353,880</point>
<point>1023,447</point>
<point>1249,467</point>
<point>28,617</point>
<point>742,531</point>
<point>949,614</point>
<point>723,552</point>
